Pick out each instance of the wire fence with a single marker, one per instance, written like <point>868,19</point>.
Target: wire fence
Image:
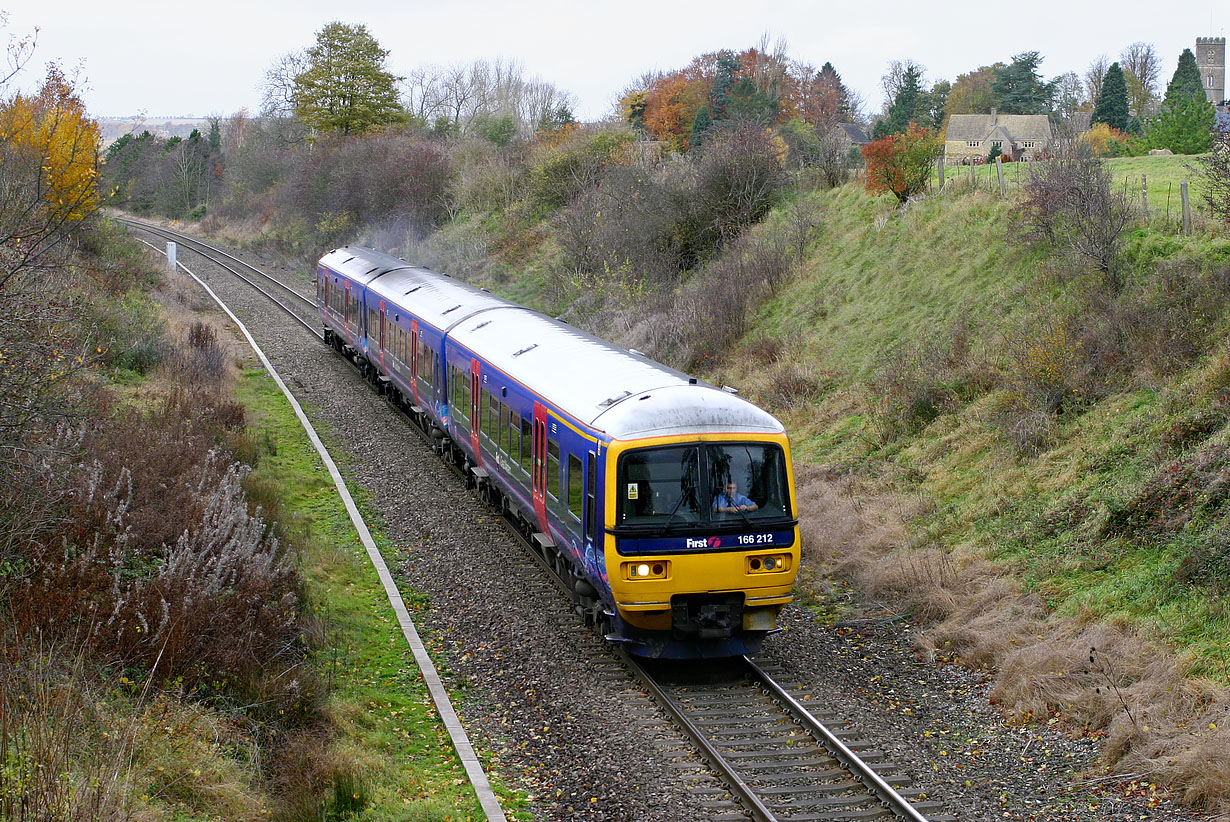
<point>1160,203</point>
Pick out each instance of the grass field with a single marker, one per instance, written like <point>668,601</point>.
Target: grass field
<point>1160,173</point>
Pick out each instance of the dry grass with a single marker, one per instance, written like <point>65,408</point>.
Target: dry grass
<point>1095,676</point>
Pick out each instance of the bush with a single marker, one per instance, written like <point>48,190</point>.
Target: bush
<point>738,179</point>
<point>1069,208</point>
<point>562,172</point>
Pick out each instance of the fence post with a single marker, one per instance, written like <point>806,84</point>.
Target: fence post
<point>999,169</point>
<point>939,164</point>
<point>1144,195</point>
<point>1187,207</point>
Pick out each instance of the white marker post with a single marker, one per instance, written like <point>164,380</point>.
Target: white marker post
<point>171,256</point>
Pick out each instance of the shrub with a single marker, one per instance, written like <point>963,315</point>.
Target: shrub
<point>1214,168</point>
<point>738,179</point>
<point>1069,208</point>
<point>562,172</point>
<point>901,164</point>
<point>923,379</point>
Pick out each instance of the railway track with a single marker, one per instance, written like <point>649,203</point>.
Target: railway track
<point>302,309</point>
<point>773,754</point>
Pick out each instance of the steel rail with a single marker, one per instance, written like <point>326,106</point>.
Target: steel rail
<point>187,238</point>
<point>863,772</point>
<point>746,795</point>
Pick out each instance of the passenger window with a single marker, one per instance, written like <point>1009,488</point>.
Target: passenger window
<point>553,469</point>
<point>527,440</point>
<point>505,446</point>
<point>514,437</point>
<point>576,486</point>
<point>591,495</point>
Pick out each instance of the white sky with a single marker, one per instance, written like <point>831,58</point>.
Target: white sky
<point>172,58</point>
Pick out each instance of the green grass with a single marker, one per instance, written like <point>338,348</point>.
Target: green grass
<point>1162,174</point>
<point>398,758</point>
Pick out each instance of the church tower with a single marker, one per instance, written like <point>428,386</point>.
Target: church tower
<point>1211,59</point>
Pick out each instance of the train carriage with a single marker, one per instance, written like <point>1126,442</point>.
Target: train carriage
<point>624,471</point>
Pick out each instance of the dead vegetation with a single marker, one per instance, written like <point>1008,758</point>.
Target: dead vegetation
<point>1158,722</point>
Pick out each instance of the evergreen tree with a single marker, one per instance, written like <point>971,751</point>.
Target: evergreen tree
<point>1018,88</point>
<point>701,125</point>
<point>835,97</point>
<point>345,86</point>
<point>1186,80</point>
<point>723,83</point>
<point>909,102</point>
<point>1112,104</point>
<point>1185,125</point>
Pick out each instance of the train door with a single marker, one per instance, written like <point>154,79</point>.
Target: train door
<point>383,321</point>
<point>346,321</point>
<point>414,360</point>
<point>539,465</point>
<point>476,408</point>
<point>588,527</point>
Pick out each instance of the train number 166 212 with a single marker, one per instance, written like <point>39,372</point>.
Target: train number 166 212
<point>755,539</point>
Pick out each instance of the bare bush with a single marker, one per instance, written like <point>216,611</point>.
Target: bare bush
<point>738,180</point>
<point>63,760</point>
<point>715,306</point>
<point>1069,207</point>
<point>1214,168</point>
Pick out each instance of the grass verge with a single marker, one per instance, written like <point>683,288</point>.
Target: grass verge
<point>395,760</point>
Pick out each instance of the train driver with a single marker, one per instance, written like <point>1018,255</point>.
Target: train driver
<point>731,501</point>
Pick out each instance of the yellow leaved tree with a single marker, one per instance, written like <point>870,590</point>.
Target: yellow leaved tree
<point>48,171</point>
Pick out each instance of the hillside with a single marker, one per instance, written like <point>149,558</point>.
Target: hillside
<point>1078,546</point>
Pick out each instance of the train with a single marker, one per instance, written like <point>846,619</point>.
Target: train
<point>666,504</point>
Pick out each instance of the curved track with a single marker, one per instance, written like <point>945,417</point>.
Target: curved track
<point>776,758</point>
<point>303,310</point>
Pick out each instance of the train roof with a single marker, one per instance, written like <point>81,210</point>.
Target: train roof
<point>438,298</point>
<point>611,389</point>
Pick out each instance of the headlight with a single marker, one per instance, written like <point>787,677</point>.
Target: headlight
<point>646,570</point>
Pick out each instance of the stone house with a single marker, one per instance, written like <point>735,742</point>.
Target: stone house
<point>1019,136</point>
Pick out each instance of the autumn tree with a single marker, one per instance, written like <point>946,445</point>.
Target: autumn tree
<point>1069,94</point>
<point>1112,102</point>
<point>971,93</point>
<point>48,172</point>
<point>345,87</point>
<point>902,163</point>
<point>822,97</point>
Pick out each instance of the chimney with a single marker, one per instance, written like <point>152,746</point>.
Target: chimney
<point>992,115</point>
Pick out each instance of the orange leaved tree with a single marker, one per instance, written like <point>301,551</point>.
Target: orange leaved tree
<point>901,163</point>
<point>48,171</point>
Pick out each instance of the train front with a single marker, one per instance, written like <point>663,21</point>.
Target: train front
<point>702,539</point>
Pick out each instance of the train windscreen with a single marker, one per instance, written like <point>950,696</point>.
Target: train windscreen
<point>703,484</point>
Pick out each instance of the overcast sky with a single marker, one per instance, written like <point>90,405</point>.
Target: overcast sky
<point>208,58</point>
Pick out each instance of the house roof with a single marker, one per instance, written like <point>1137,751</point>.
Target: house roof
<point>1014,127</point>
<point>855,134</point>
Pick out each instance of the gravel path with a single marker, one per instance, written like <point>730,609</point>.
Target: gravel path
<point>567,724</point>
